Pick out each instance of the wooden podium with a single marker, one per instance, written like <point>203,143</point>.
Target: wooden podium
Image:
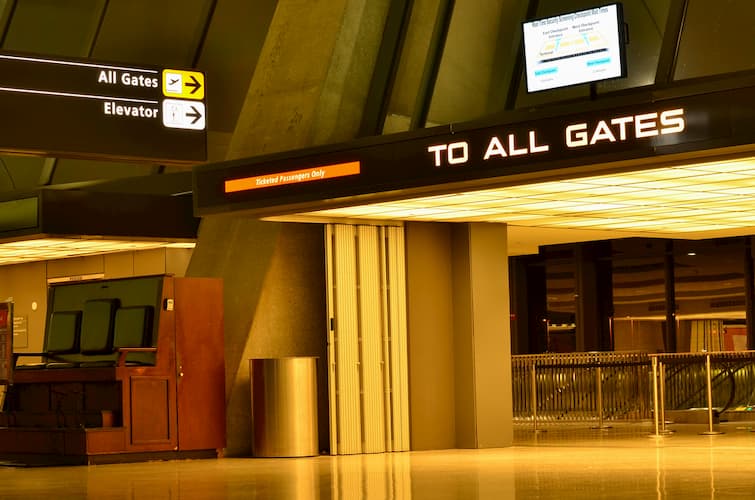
<point>101,400</point>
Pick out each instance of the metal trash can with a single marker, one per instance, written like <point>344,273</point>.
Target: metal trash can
<point>284,406</point>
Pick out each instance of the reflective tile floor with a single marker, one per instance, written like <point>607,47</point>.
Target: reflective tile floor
<point>566,462</point>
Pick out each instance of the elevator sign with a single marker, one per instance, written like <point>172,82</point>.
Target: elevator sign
<point>83,108</point>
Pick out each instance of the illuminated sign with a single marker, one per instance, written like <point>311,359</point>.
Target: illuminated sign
<point>574,48</point>
<point>83,108</point>
<point>441,159</point>
<point>574,135</point>
<point>312,174</point>
<point>183,84</point>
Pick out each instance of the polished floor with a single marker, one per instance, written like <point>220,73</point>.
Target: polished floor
<point>566,462</point>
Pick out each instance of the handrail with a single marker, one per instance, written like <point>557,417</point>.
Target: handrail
<point>567,384</point>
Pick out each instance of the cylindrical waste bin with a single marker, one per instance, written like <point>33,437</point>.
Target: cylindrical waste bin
<point>284,406</point>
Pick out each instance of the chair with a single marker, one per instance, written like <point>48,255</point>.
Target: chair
<point>97,323</point>
<point>132,337</point>
<point>63,334</point>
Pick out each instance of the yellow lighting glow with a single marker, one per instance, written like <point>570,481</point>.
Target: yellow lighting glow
<point>17,252</point>
<point>711,196</point>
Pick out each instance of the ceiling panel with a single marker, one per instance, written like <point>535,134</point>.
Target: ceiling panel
<point>229,55</point>
<point>682,201</point>
<point>54,27</point>
<point>164,33</point>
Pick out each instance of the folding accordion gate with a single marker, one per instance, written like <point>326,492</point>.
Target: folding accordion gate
<point>367,344</point>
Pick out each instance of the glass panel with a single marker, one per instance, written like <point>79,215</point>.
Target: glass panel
<point>560,269</point>
<point>716,38</point>
<point>411,67</point>
<point>639,294</point>
<point>475,71</point>
<point>646,22</point>
<point>54,28</point>
<point>710,295</point>
<point>163,33</point>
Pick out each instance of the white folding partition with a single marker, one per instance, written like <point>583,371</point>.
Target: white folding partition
<point>367,358</point>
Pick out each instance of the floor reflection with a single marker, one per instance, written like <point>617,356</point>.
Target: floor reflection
<point>567,462</point>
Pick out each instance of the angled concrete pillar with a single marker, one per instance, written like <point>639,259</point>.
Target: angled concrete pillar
<point>308,88</point>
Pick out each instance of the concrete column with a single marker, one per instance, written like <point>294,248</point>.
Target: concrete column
<point>484,414</point>
<point>459,336</point>
<point>312,77</point>
<point>430,326</point>
<point>308,88</point>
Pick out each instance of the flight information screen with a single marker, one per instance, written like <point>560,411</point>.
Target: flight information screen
<point>574,48</point>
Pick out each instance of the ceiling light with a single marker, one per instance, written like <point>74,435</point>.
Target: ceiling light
<point>17,252</point>
<point>702,197</point>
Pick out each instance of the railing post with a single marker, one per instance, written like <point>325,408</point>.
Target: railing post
<point>533,374</point>
<point>710,431</point>
<point>599,386</point>
<point>655,397</point>
<point>662,397</point>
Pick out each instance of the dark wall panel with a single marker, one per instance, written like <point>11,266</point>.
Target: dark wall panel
<point>54,27</point>
<point>164,33</point>
<point>229,55</point>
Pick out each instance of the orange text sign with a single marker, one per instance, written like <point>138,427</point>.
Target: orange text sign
<point>293,177</point>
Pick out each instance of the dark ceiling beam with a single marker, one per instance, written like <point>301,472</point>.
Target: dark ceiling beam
<point>386,66</point>
<point>96,34</point>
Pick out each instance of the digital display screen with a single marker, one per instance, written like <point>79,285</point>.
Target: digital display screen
<point>574,48</point>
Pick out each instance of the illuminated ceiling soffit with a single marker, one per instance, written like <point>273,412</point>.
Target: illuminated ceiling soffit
<point>31,250</point>
<point>688,201</point>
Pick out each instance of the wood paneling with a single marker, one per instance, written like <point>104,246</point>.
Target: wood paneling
<point>200,364</point>
<point>81,412</point>
<point>150,410</point>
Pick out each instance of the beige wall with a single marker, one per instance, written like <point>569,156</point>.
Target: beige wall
<point>430,336</point>
<point>27,283</point>
<point>459,336</point>
<point>274,294</point>
<point>640,335</point>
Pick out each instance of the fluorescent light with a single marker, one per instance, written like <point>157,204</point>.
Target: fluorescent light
<point>17,252</point>
<point>712,196</point>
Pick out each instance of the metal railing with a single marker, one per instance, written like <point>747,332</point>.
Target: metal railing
<point>558,387</point>
<point>713,381</point>
<point>581,386</point>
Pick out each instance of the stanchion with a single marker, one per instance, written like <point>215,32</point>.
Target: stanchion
<point>710,431</point>
<point>534,400</point>
<point>662,384</point>
<point>657,433</point>
<point>599,385</point>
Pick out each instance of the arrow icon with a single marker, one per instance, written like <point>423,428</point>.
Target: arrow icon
<point>195,114</point>
<point>180,113</point>
<point>194,83</point>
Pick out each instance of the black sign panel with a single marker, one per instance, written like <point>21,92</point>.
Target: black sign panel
<point>82,108</point>
<point>409,164</point>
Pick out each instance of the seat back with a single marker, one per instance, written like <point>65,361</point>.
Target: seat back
<point>63,332</point>
<point>97,326</point>
<point>133,328</point>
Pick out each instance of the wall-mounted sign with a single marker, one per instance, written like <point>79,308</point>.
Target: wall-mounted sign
<point>312,174</point>
<point>574,48</point>
<point>6,342</point>
<point>428,161</point>
<point>20,331</point>
<point>82,108</point>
